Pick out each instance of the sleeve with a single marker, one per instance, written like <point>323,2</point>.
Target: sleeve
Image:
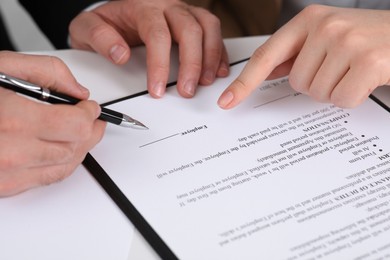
<point>54,17</point>
<point>5,40</point>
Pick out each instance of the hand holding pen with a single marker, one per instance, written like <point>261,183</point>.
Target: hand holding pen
<point>46,95</point>
<point>43,143</point>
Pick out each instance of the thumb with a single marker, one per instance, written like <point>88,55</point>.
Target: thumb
<point>89,31</point>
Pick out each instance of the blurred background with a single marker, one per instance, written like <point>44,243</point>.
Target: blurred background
<point>25,35</point>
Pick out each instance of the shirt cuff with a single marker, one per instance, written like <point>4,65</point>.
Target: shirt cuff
<point>94,6</point>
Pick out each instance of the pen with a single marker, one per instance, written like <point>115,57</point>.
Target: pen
<point>45,94</point>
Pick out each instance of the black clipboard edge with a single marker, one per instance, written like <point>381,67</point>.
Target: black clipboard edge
<point>128,208</point>
<point>380,103</point>
<point>170,84</point>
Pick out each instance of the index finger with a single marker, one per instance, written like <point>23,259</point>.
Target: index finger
<point>64,123</point>
<point>43,70</point>
<point>154,32</point>
<point>279,48</point>
<point>91,32</point>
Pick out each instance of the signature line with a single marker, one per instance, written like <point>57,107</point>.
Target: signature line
<point>159,140</point>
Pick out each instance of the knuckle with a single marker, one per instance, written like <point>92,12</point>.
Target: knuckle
<point>89,109</point>
<point>330,24</point>
<point>330,27</point>
<point>339,99</point>
<point>7,188</point>
<point>344,101</point>
<point>214,53</point>
<point>84,130</point>
<point>194,28</point>
<point>160,69</point>
<point>374,59</point>
<point>194,66</point>
<point>350,39</point>
<point>61,158</point>
<point>320,91</point>
<point>56,154</point>
<point>61,171</point>
<point>240,89</point>
<point>97,32</point>
<point>209,19</point>
<point>241,86</point>
<point>56,62</point>
<point>59,69</point>
<point>296,84</point>
<point>214,21</point>
<point>318,95</point>
<point>314,10</point>
<point>261,54</point>
<point>159,33</point>
<point>82,125</point>
<point>56,65</point>
<point>8,162</point>
<point>339,102</point>
<point>53,176</point>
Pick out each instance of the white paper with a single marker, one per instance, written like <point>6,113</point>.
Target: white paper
<point>279,177</point>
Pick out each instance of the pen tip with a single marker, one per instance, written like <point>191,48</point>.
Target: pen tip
<point>140,125</point>
<point>130,122</point>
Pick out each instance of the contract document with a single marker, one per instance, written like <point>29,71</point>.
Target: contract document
<point>279,177</point>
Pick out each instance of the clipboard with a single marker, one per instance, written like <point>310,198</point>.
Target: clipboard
<point>125,204</point>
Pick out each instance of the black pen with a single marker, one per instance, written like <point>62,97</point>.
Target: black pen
<point>46,95</point>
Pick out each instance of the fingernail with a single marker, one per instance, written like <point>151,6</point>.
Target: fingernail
<point>189,88</point>
<point>223,69</point>
<point>98,110</point>
<point>83,89</point>
<point>158,89</point>
<point>117,53</point>
<point>208,77</point>
<point>225,99</point>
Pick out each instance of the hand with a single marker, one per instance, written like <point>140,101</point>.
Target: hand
<point>112,27</point>
<point>335,55</point>
<point>42,143</point>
